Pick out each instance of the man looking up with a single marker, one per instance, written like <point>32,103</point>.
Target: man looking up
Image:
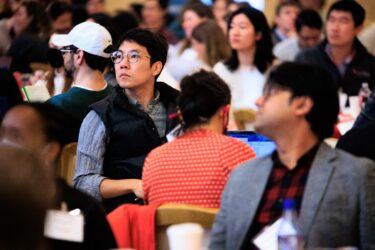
<point>341,53</point>
<point>85,52</point>
<point>119,131</point>
<point>285,16</point>
<point>42,129</point>
<point>334,191</point>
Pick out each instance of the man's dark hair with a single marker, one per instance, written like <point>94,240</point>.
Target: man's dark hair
<point>58,8</point>
<point>57,125</point>
<point>263,54</point>
<point>286,3</point>
<point>314,82</point>
<point>308,18</point>
<point>202,94</point>
<point>357,11</point>
<point>155,43</point>
<point>93,61</point>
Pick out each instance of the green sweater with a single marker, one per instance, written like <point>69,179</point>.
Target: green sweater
<point>76,101</point>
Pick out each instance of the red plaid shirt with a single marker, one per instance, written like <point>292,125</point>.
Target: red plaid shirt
<point>282,184</point>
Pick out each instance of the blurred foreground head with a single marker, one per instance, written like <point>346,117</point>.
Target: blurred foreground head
<point>26,192</point>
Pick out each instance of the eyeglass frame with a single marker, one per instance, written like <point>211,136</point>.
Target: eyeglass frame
<point>123,55</point>
<point>68,49</point>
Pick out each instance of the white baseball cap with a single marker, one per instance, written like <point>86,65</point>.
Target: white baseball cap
<point>88,36</point>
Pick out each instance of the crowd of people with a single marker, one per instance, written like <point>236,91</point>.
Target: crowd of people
<point>148,97</point>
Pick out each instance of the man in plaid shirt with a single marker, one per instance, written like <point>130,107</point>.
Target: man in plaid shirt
<point>333,190</point>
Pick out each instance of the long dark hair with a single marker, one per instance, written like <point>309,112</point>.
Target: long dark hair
<point>263,54</point>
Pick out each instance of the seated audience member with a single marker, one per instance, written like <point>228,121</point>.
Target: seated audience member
<point>32,28</point>
<point>334,191</point>
<point>359,141</point>
<point>119,131</point>
<point>341,53</point>
<point>43,129</point>
<point>285,17</point>
<point>194,168</point>
<point>95,6</point>
<point>249,37</point>
<point>154,17</point>
<point>210,43</point>
<point>26,191</point>
<point>85,53</point>
<point>61,15</point>
<point>308,26</point>
<point>182,59</point>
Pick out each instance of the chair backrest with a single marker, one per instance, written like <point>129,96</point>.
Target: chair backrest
<point>243,117</point>
<point>67,162</point>
<point>170,214</point>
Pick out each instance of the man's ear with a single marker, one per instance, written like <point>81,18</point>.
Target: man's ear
<point>80,56</point>
<point>156,68</point>
<point>303,105</point>
<point>53,151</point>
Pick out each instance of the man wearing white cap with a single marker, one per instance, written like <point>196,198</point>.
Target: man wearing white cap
<point>85,52</point>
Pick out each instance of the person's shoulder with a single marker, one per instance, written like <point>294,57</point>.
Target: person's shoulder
<point>352,164</point>
<point>232,142</point>
<point>310,54</point>
<point>166,91</point>
<point>251,165</point>
<point>219,67</point>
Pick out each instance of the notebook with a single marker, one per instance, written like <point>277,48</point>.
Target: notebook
<point>260,144</point>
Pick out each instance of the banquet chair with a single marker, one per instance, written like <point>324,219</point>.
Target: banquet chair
<point>243,118</point>
<point>67,162</point>
<point>170,214</point>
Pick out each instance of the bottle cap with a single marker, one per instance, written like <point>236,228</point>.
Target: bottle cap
<point>289,204</point>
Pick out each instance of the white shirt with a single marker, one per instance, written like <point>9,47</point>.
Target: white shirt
<point>181,65</point>
<point>246,84</point>
<point>287,50</point>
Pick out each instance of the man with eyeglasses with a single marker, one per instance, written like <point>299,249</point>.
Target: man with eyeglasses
<point>119,131</point>
<point>85,52</point>
<point>333,191</point>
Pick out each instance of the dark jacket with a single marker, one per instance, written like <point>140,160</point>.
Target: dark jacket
<point>97,232</point>
<point>359,141</point>
<point>361,68</point>
<point>132,134</point>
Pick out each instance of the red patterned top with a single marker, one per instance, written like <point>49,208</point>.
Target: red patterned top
<point>192,169</point>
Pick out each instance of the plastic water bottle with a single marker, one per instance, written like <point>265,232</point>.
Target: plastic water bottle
<point>364,94</point>
<point>290,236</point>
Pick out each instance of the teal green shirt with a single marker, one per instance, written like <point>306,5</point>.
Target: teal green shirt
<point>76,100</point>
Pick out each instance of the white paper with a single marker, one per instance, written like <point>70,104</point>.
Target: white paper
<point>267,239</point>
<point>36,93</point>
<point>63,225</point>
<point>344,127</point>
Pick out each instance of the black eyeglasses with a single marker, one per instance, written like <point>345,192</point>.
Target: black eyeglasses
<point>132,56</point>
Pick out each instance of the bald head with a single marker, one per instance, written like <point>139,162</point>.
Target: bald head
<point>22,125</point>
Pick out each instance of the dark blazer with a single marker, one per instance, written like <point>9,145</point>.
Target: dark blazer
<point>338,205</point>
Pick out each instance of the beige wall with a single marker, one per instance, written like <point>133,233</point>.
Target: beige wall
<point>113,5</point>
